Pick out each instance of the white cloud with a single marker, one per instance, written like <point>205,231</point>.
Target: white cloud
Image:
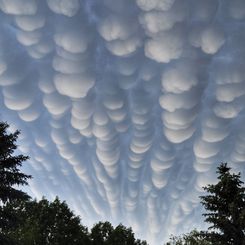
<point>156,21</point>
<point>28,38</point>
<point>17,97</point>
<point>30,23</point>
<point>74,86</point>
<point>113,28</point>
<point>147,5</point>
<point>212,39</point>
<point>205,149</point>
<point>30,114</point>
<point>125,107</point>
<point>72,41</point>
<point>180,78</point>
<point>65,7</point>
<point>19,7</point>
<point>165,47</point>
<point>55,103</point>
<point>227,110</point>
<point>124,47</point>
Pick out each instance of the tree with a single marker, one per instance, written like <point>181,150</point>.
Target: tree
<point>10,176</point>
<point>105,234</point>
<point>122,236</point>
<point>101,232</point>
<point>43,222</point>
<point>192,238</point>
<point>226,209</point>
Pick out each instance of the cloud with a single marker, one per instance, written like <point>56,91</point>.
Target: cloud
<point>125,107</point>
<point>55,103</point>
<point>180,78</point>
<point>212,39</point>
<point>66,7</point>
<point>237,9</point>
<point>30,23</point>
<point>165,46</point>
<point>156,21</point>
<point>204,10</point>
<point>72,41</point>
<point>120,34</point>
<point>74,86</point>
<point>155,4</point>
<point>16,7</point>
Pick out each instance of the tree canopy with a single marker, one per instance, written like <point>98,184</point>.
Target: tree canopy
<point>44,222</point>
<point>103,233</point>
<point>10,176</point>
<point>225,205</point>
<point>192,238</point>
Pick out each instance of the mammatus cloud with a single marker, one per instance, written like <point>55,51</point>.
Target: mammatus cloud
<point>126,107</point>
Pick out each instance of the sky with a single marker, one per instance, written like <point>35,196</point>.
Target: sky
<point>126,107</point>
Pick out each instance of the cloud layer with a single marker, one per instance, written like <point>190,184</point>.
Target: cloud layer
<point>125,107</point>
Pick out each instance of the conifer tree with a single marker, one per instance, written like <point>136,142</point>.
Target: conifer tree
<point>10,177</point>
<point>225,205</point>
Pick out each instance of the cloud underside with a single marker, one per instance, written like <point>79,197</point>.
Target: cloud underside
<point>125,107</point>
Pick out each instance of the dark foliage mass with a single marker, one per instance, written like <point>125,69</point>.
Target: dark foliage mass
<point>192,238</point>
<point>105,234</point>
<point>10,173</point>
<point>225,205</point>
<point>24,221</point>
<point>10,176</point>
<point>43,222</point>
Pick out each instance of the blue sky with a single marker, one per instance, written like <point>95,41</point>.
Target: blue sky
<point>126,107</point>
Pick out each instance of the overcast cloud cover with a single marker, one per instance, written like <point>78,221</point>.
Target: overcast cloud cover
<point>126,106</point>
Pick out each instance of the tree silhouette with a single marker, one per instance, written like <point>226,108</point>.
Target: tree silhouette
<point>43,222</point>
<point>101,232</point>
<point>105,233</point>
<point>10,176</point>
<point>225,204</point>
<point>192,238</point>
<point>122,236</point>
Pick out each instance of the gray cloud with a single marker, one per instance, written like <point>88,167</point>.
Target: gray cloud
<point>125,107</point>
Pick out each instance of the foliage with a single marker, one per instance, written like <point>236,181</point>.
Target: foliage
<point>105,234</point>
<point>47,222</point>
<point>122,236</point>
<point>10,176</point>
<point>192,238</point>
<point>44,222</point>
<point>225,204</point>
<point>101,232</point>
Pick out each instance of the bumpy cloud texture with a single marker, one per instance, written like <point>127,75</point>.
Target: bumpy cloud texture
<point>126,106</point>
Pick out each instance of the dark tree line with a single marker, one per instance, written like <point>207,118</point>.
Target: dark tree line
<point>43,222</point>
<point>24,221</point>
